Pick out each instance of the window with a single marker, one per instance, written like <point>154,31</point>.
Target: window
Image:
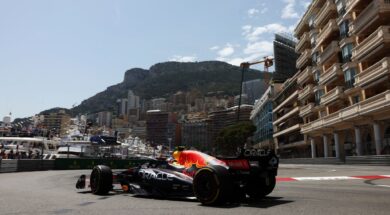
<point>313,40</point>
<point>349,77</point>
<point>347,53</point>
<point>311,22</point>
<point>314,58</point>
<point>344,29</point>
<point>340,7</point>
<point>317,75</point>
<point>318,95</point>
<point>356,99</point>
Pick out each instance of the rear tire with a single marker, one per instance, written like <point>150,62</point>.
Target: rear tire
<point>212,186</point>
<point>260,187</point>
<point>101,180</point>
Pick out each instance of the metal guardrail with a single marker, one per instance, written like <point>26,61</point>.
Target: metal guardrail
<point>374,160</point>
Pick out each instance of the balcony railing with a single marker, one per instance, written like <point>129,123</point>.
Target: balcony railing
<point>370,14</point>
<point>306,110</point>
<point>370,45</point>
<point>375,72</point>
<point>304,39</point>
<point>306,92</point>
<point>350,4</point>
<point>331,74</point>
<point>326,31</point>
<point>332,49</point>
<point>332,95</point>
<point>304,76</point>
<point>372,105</point>
<point>327,11</point>
<point>305,56</point>
<point>286,116</point>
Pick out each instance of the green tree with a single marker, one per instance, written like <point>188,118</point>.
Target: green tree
<point>234,136</point>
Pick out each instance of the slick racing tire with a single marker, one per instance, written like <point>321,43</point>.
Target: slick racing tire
<point>259,187</point>
<point>101,180</point>
<point>212,186</point>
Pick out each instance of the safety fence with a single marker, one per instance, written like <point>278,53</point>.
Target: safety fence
<point>7,165</point>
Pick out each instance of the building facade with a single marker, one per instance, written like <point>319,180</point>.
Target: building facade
<point>285,57</point>
<point>161,128</point>
<point>261,117</point>
<point>344,68</point>
<point>196,134</point>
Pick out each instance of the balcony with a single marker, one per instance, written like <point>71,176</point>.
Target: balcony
<point>350,4</point>
<point>376,43</point>
<point>304,58</point>
<point>304,76</point>
<point>291,98</point>
<point>374,74</point>
<point>327,31</point>
<point>327,12</point>
<point>376,11</point>
<point>302,42</point>
<point>287,130</point>
<point>286,116</point>
<point>306,92</point>
<point>373,105</point>
<point>332,49</point>
<point>306,110</point>
<point>332,95</point>
<point>331,74</point>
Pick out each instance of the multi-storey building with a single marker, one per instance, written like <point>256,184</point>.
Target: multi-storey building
<point>104,118</point>
<point>285,57</point>
<point>161,128</point>
<point>288,140</point>
<point>261,117</point>
<point>254,89</point>
<point>220,119</point>
<point>56,123</point>
<point>196,134</point>
<point>343,74</point>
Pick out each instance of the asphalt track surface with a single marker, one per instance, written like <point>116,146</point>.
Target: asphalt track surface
<point>54,192</point>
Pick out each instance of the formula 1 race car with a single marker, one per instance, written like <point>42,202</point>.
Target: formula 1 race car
<point>192,173</point>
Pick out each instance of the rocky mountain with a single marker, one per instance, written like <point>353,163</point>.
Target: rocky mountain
<point>165,79</point>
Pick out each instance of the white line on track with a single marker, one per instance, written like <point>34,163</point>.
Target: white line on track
<point>379,185</point>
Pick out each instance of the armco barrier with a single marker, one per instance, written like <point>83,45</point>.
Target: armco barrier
<point>79,163</point>
<point>35,165</point>
<point>8,165</point>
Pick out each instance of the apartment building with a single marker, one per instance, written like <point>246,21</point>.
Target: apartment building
<point>289,141</point>
<point>343,77</point>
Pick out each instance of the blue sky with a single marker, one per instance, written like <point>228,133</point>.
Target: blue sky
<point>58,53</point>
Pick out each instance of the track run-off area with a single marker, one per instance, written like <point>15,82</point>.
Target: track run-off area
<point>300,189</point>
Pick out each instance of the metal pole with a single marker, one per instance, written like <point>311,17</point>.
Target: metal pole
<point>239,100</point>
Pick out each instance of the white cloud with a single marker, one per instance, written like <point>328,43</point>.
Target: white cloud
<point>180,58</point>
<point>253,33</point>
<point>288,11</point>
<point>214,48</point>
<point>228,50</point>
<point>252,12</point>
<point>263,47</point>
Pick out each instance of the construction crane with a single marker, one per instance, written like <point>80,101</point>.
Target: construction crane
<point>268,62</point>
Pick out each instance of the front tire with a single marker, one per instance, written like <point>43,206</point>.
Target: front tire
<point>101,180</point>
<point>212,185</point>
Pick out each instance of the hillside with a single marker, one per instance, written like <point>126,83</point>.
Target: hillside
<point>164,79</point>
